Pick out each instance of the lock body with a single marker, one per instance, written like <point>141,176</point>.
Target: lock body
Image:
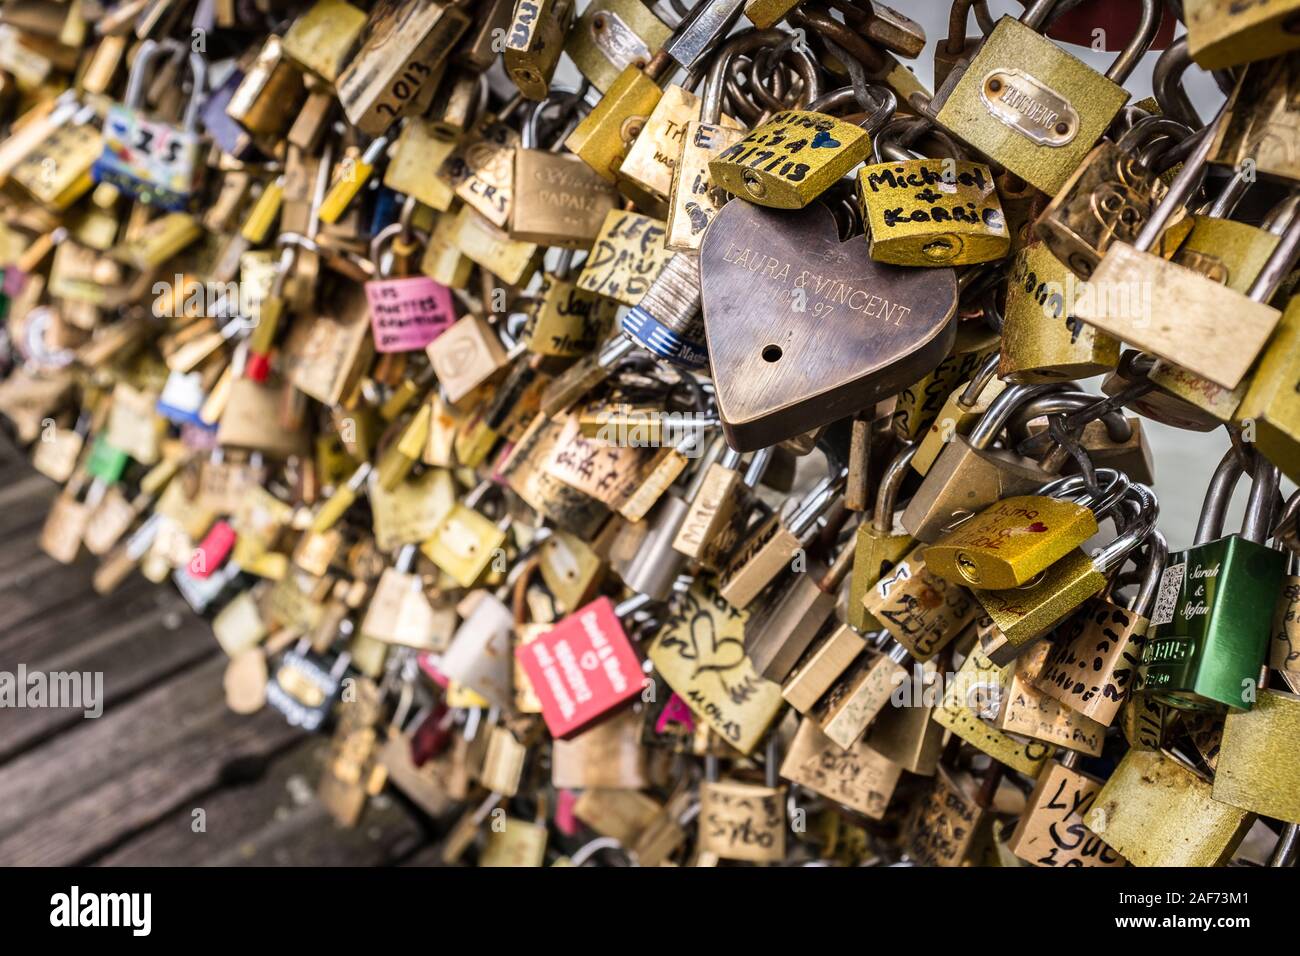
<point>1029,105</point>
<point>1009,542</point>
<point>1042,339</point>
<point>1025,613</point>
<point>156,162</point>
<point>932,212</point>
<point>1211,624</point>
<point>791,159</point>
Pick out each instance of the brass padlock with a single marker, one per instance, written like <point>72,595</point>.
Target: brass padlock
<point>1042,339</point>
<point>1028,612</point>
<point>533,43</point>
<point>558,200</point>
<point>1155,812</point>
<point>1032,107</point>
<point>798,154</point>
<point>1093,670</point>
<point>929,212</point>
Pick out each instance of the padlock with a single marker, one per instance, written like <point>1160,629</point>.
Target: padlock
<point>533,43</point>
<point>770,547</point>
<point>399,612</point>
<point>1154,811</point>
<point>700,653</point>
<point>948,821</point>
<point>1108,199</point>
<point>854,700</point>
<point>604,136</point>
<point>1268,407</point>
<point>1093,671</point>
<point>694,199</point>
<point>405,45</point>
<point>826,659</point>
<point>1030,611</point>
<point>929,212</point>
<point>959,413</point>
<point>818,290</point>
<point>798,154</point>
<point>154,161</point>
<point>1255,136</point>
<point>558,199</point>
<point>611,35</point>
<point>880,541</point>
<point>1032,107</point>
<point>1211,622</point>
<point>1014,539</point>
<point>56,168</point>
<point>1226,36</point>
<point>584,667</point>
<point>304,687</point>
<point>971,700</point>
<point>921,611</point>
<point>465,356</point>
<point>720,511</point>
<point>778,635</point>
<point>957,46</point>
<point>1024,710</point>
<point>480,243</point>
<point>970,474</point>
<point>1042,339</point>
<point>268,97</point>
<point>860,778</point>
<point>743,821</point>
<point>1248,773</point>
<point>466,543</point>
<point>322,38</point>
<point>1192,343</point>
<point>1051,831</point>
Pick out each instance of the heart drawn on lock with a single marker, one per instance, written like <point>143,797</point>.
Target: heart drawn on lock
<point>803,329</point>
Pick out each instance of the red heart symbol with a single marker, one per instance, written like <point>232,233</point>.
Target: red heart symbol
<point>1037,527</point>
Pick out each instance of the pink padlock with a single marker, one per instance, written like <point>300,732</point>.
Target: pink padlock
<point>212,550</point>
<point>584,667</point>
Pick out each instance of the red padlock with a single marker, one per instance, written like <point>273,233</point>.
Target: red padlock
<point>583,668</point>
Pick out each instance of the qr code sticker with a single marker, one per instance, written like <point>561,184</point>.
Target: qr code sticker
<point>1171,582</point>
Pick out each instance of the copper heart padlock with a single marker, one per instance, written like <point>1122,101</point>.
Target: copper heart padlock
<point>804,329</point>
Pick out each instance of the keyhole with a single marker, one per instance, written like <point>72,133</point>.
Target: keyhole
<point>968,568</point>
<point>754,185</point>
<point>772,353</point>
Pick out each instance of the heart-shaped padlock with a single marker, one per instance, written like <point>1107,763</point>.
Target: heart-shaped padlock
<point>804,329</point>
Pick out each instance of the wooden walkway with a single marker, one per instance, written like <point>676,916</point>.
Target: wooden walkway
<point>122,789</point>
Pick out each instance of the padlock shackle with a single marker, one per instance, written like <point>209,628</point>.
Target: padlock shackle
<point>1036,14</point>
<point>979,381</point>
<point>838,99</point>
<point>1214,507</point>
<point>1114,554</point>
<point>757,467</point>
<point>149,51</point>
<point>993,421</point>
<point>1257,524</point>
<point>715,80</point>
<point>1129,57</point>
<point>1153,567</point>
<point>1167,84</point>
<point>1118,428</point>
<point>1280,262</point>
<point>1184,184</point>
<point>882,518</point>
<point>959,16</point>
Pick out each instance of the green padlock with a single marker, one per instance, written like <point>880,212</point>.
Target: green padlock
<point>1213,613</point>
<point>106,462</point>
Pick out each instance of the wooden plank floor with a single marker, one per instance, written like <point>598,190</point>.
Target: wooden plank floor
<point>123,789</point>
